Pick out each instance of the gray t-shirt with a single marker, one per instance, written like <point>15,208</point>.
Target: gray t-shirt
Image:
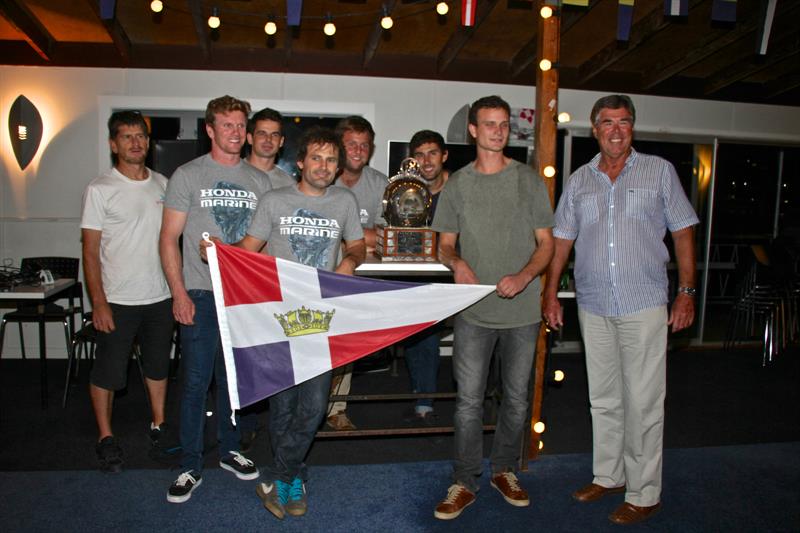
<point>369,193</point>
<point>277,176</point>
<point>495,216</point>
<point>218,199</point>
<point>307,229</point>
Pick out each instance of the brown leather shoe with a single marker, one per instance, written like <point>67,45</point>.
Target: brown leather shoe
<point>592,492</point>
<point>627,513</point>
<point>458,498</point>
<point>508,485</point>
<point>339,422</point>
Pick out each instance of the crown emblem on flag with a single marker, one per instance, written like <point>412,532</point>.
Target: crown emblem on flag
<point>305,321</point>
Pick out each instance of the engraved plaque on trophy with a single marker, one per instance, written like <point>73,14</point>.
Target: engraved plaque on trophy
<point>407,211</point>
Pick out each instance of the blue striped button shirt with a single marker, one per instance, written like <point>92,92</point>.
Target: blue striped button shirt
<point>619,229</point>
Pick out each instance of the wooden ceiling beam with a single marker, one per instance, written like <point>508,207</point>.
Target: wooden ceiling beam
<point>648,26</point>
<point>200,28</point>
<point>527,53</point>
<point>120,39</point>
<point>782,49</point>
<point>375,37</point>
<point>33,32</point>
<point>462,35</point>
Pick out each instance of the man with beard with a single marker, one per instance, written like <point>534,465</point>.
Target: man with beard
<point>217,190</point>
<point>130,298</point>
<point>316,225</point>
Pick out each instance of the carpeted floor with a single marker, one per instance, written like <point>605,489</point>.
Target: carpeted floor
<point>731,489</point>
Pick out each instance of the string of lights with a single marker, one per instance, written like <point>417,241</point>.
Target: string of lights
<point>329,28</point>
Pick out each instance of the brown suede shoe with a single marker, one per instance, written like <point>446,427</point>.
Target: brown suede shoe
<point>458,498</point>
<point>627,513</point>
<point>508,485</point>
<point>339,422</point>
<point>592,492</point>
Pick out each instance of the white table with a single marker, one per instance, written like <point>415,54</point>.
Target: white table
<point>39,295</point>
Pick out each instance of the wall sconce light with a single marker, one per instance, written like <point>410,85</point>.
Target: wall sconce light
<point>270,28</point>
<point>386,20</point>
<point>442,8</point>
<point>546,64</point>
<point>156,6</point>
<point>24,130</point>
<point>563,117</point>
<point>548,11</point>
<point>549,171</point>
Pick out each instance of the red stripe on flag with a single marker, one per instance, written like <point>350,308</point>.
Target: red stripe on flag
<point>348,347</point>
<point>468,12</point>
<point>248,277</point>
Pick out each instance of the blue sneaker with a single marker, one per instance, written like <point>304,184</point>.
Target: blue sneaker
<point>297,504</point>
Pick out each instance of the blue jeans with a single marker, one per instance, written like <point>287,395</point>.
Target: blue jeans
<point>294,416</point>
<point>472,354</point>
<point>422,360</point>
<point>201,359</point>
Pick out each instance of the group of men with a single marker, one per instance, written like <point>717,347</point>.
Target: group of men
<point>495,225</point>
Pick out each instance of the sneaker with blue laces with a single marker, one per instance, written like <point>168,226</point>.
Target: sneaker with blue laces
<point>297,504</point>
<point>239,465</point>
<point>270,494</point>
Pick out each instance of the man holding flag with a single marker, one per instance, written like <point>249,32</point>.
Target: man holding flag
<point>498,212</point>
<point>305,223</point>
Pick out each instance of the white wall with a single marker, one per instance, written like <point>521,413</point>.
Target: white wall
<point>40,207</point>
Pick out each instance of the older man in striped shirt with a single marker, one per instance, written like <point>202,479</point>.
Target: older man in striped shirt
<point>616,210</point>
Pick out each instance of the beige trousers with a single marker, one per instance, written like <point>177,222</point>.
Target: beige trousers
<point>626,363</point>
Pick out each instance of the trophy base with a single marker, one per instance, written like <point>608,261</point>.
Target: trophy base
<point>405,244</point>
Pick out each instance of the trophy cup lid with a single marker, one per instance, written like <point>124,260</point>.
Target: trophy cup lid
<point>407,200</point>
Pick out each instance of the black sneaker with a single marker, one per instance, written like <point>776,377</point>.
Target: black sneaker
<point>239,465</point>
<point>157,432</point>
<point>181,490</point>
<point>110,455</point>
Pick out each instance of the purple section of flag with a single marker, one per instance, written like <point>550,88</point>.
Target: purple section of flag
<point>332,285</point>
<point>723,11</point>
<point>624,22</point>
<point>262,371</point>
<point>293,10</point>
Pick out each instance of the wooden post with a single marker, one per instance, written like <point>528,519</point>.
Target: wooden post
<point>548,44</point>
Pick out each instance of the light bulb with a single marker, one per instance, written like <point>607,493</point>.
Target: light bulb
<point>329,29</point>
<point>549,171</point>
<point>156,6</point>
<point>270,28</point>
<point>558,375</point>
<point>442,8</point>
<point>213,20</point>
<point>545,65</point>
<point>538,427</point>
<point>387,22</point>
<point>564,117</point>
<point>546,12</point>
<point>541,444</point>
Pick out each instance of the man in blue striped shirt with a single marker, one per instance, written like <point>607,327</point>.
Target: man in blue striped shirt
<point>615,210</point>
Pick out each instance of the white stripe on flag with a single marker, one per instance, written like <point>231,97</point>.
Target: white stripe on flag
<point>224,329</point>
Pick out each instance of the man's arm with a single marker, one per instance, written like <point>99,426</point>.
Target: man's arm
<point>370,237</point>
<point>462,272</point>
<point>513,284</point>
<point>172,224</point>
<point>354,254</point>
<point>551,308</point>
<point>102,318</point>
<point>682,314</point>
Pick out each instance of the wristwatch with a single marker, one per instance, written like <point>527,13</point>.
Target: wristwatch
<point>688,291</point>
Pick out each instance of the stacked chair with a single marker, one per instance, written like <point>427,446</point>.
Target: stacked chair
<point>766,309</point>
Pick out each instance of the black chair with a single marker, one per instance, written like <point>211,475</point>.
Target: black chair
<point>60,267</point>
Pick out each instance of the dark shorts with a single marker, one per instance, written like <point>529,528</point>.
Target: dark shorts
<point>152,326</point>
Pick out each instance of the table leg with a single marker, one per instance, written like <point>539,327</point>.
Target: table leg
<point>43,359</point>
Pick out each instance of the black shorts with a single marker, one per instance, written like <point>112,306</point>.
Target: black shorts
<point>152,326</point>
